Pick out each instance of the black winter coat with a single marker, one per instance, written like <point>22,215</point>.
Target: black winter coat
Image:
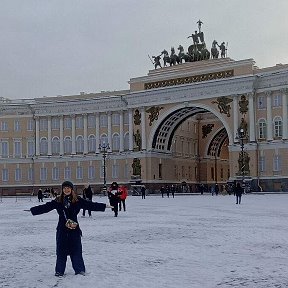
<point>68,240</point>
<point>67,213</point>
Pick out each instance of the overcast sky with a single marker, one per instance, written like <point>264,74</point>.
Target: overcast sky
<point>64,47</point>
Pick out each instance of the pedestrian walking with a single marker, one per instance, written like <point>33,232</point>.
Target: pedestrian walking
<point>68,233</point>
<point>113,195</point>
<point>167,191</point>
<point>87,194</point>
<point>238,193</point>
<point>123,195</point>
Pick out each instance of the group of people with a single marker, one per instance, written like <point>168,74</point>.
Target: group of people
<point>117,197</point>
<point>167,190</point>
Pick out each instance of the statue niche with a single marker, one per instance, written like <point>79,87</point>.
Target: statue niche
<point>136,165</point>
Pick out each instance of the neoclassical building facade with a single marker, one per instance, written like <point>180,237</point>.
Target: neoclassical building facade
<point>176,125</point>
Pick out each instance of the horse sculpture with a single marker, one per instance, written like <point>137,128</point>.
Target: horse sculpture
<point>172,59</point>
<point>214,50</point>
<point>183,56</point>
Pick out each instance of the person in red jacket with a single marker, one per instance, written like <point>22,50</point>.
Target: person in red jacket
<point>123,195</point>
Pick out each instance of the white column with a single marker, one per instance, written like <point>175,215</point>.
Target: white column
<point>121,131</point>
<point>110,131</point>
<point>130,118</point>
<point>97,131</point>
<point>284,115</point>
<point>37,140</point>
<point>235,118</point>
<point>251,113</point>
<point>85,134</point>
<point>269,117</point>
<point>143,129</point>
<point>73,134</point>
<point>49,136</point>
<point>61,135</point>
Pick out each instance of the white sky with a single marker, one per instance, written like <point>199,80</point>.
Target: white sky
<point>186,242</point>
<point>54,47</point>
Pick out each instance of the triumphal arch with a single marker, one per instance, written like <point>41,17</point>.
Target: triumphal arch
<point>198,119</point>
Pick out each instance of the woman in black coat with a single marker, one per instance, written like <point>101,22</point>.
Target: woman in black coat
<point>68,235</point>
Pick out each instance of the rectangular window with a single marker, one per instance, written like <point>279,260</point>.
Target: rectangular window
<point>103,120</point>
<point>126,118</point>
<point>91,121</point>
<point>261,163</point>
<point>212,173</point>
<point>67,173</point>
<point>31,148</point>
<point>5,175</point>
<point>115,119</point>
<point>126,171</point>
<point>17,174</point>
<point>91,172</point>
<point>4,126</point>
<point>17,127</point>
<point>55,123</point>
<point>43,174</point>
<point>30,125</point>
<point>4,149</point>
<point>43,124</point>
<point>17,149</point>
<point>67,123</point>
<point>277,100</point>
<point>30,174</point>
<point>79,122</point>
<point>115,171</point>
<point>276,163</point>
<point>55,173</point>
<point>79,172</point>
<point>261,103</point>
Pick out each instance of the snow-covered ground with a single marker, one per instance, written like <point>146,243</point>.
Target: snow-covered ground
<point>185,242</point>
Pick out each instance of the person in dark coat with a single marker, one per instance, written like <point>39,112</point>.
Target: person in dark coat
<point>143,192</point>
<point>40,195</point>
<point>87,194</point>
<point>238,193</point>
<point>68,233</point>
<point>162,190</point>
<point>173,191</point>
<point>113,195</point>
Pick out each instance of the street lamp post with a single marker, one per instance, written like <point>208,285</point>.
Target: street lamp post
<point>241,135</point>
<point>104,147</point>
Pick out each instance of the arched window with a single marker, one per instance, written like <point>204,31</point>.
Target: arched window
<point>262,129</point>
<point>277,127</point>
<point>55,145</point>
<point>67,145</point>
<point>115,142</point>
<point>91,144</point>
<point>126,141</point>
<point>79,144</point>
<point>43,146</point>
<point>104,139</point>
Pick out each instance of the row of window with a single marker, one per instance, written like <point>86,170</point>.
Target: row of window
<point>277,128</point>
<point>55,145</point>
<point>28,174</point>
<point>262,101</point>
<point>55,122</point>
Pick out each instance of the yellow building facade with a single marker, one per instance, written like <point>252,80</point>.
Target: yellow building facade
<point>176,125</point>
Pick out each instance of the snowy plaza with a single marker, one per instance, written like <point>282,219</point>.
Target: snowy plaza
<point>195,241</point>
